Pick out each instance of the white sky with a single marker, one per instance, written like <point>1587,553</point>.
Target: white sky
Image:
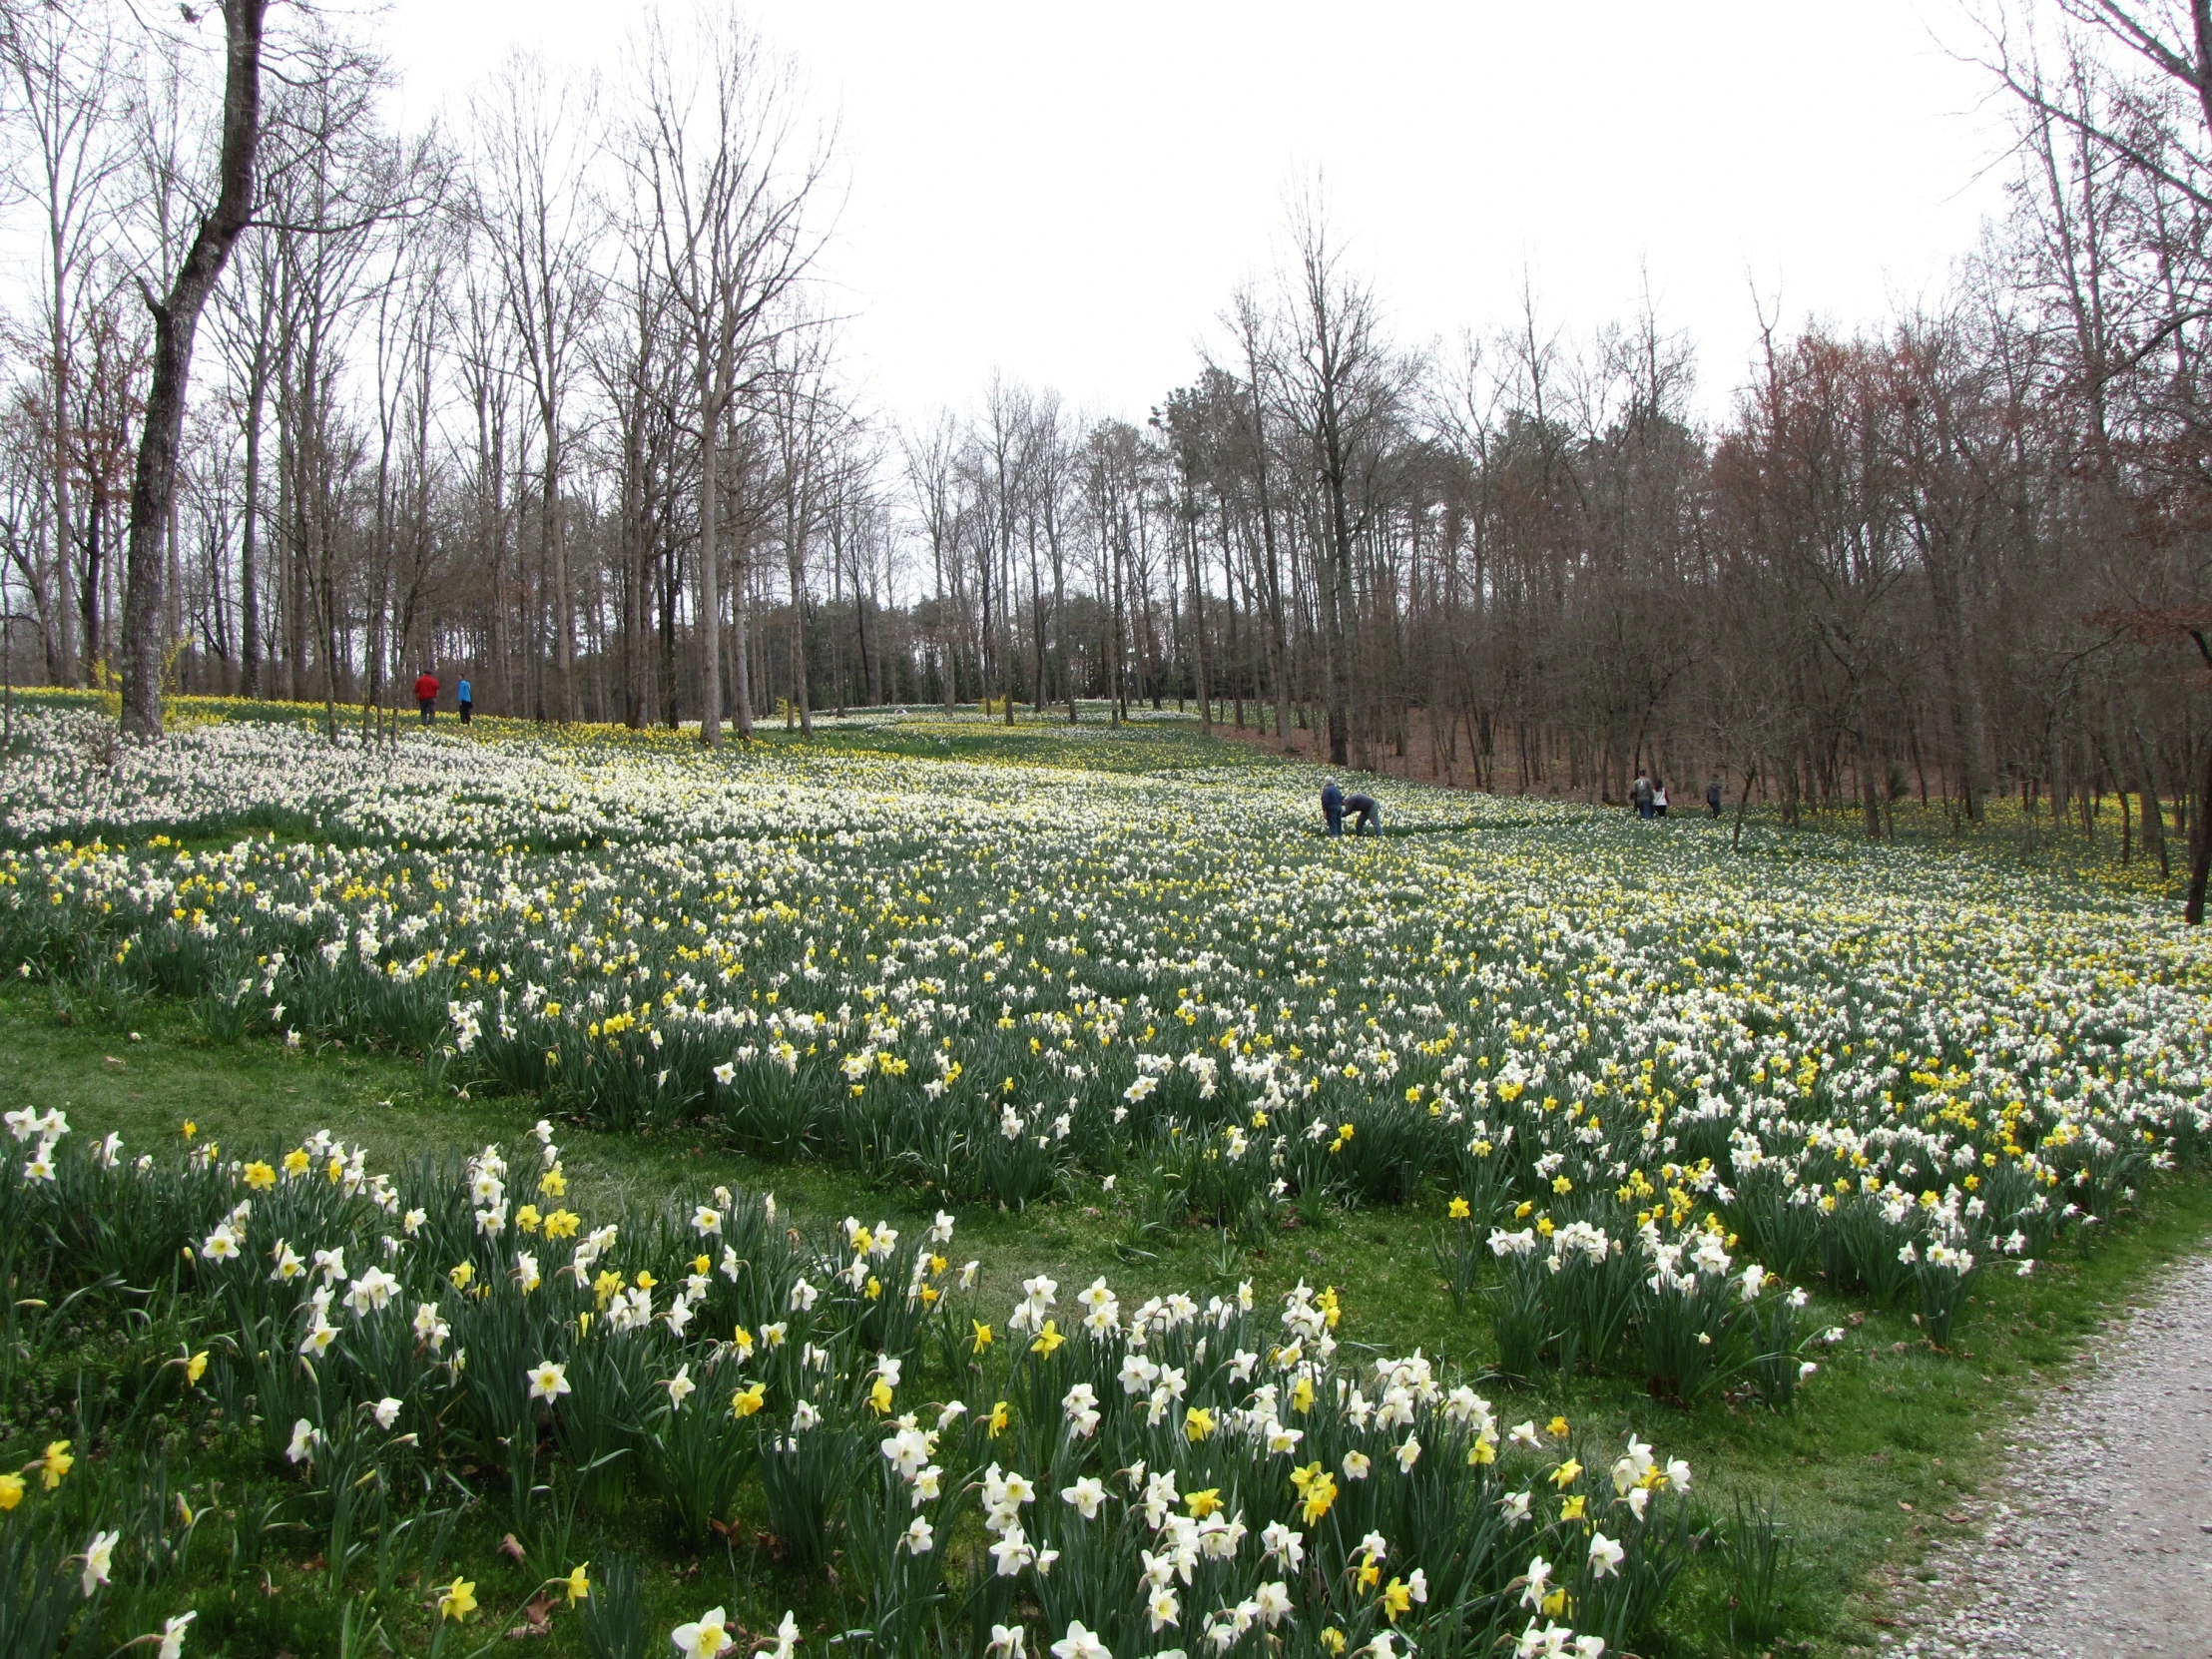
<point>1067,193</point>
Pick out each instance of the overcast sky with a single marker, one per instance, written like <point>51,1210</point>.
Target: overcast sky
<point>1067,194</point>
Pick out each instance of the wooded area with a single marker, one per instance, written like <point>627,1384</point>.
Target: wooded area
<point>554,397</point>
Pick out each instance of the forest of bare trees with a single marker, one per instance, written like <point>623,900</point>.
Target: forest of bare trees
<point>554,395</point>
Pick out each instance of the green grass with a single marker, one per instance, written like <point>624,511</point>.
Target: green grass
<point>1884,1444</point>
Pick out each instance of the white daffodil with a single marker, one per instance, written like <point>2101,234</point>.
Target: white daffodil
<point>99,1560</point>
<point>704,1637</point>
<point>305,1438</point>
<point>548,1380</point>
<point>1605,1556</point>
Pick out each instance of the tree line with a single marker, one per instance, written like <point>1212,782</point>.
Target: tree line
<point>555,394</point>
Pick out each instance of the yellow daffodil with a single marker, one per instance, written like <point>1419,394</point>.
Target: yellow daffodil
<point>1317,1489</point>
<point>56,1464</point>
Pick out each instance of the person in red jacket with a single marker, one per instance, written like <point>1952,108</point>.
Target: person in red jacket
<point>426,693</point>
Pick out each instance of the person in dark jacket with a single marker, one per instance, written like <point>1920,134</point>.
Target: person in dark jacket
<point>1332,806</point>
<point>1639,795</point>
<point>426,693</point>
<point>1369,812</point>
<point>1713,797</point>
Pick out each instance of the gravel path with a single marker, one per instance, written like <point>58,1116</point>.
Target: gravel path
<point>2097,1544</point>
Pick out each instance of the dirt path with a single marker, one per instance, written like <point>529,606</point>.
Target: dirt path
<point>2097,1544</point>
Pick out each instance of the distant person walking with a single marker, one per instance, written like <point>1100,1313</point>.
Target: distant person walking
<point>426,695</point>
<point>1332,806</point>
<point>1658,799</point>
<point>1369,812</point>
<point>1713,797</point>
<point>1639,796</point>
<point>462,701</point>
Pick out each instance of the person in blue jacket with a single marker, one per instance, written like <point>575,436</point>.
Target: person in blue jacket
<point>1332,806</point>
<point>462,699</point>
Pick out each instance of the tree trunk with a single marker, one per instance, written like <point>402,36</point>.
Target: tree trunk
<point>249,608</point>
<point>556,571</point>
<point>795,551</point>
<point>88,597</point>
<point>175,322</point>
<point>944,618</point>
<point>707,625</point>
<point>1060,618</point>
<point>1197,617</point>
<point>73,667</point>
<point>1036,622</point>
<point>2153,804</point>
<point>2200,846</point>
<point>741,687</point>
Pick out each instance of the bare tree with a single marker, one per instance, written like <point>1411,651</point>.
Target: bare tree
<point>718,147</point>
<point>639,381</point>
<point>64,74</point>
<point>932,475</point>
<point>2159,124</point>
<point>176,322</point>
<point>801,418</point>
<point>1256,351</point>
<point>1337,390</point>
<point>542,221</point>
<point>1001,444</point>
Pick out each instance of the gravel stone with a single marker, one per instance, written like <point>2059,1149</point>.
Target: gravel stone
<point>2096,1543</point>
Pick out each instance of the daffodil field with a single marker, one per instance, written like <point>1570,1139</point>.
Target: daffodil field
<point>1668,1112</point>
